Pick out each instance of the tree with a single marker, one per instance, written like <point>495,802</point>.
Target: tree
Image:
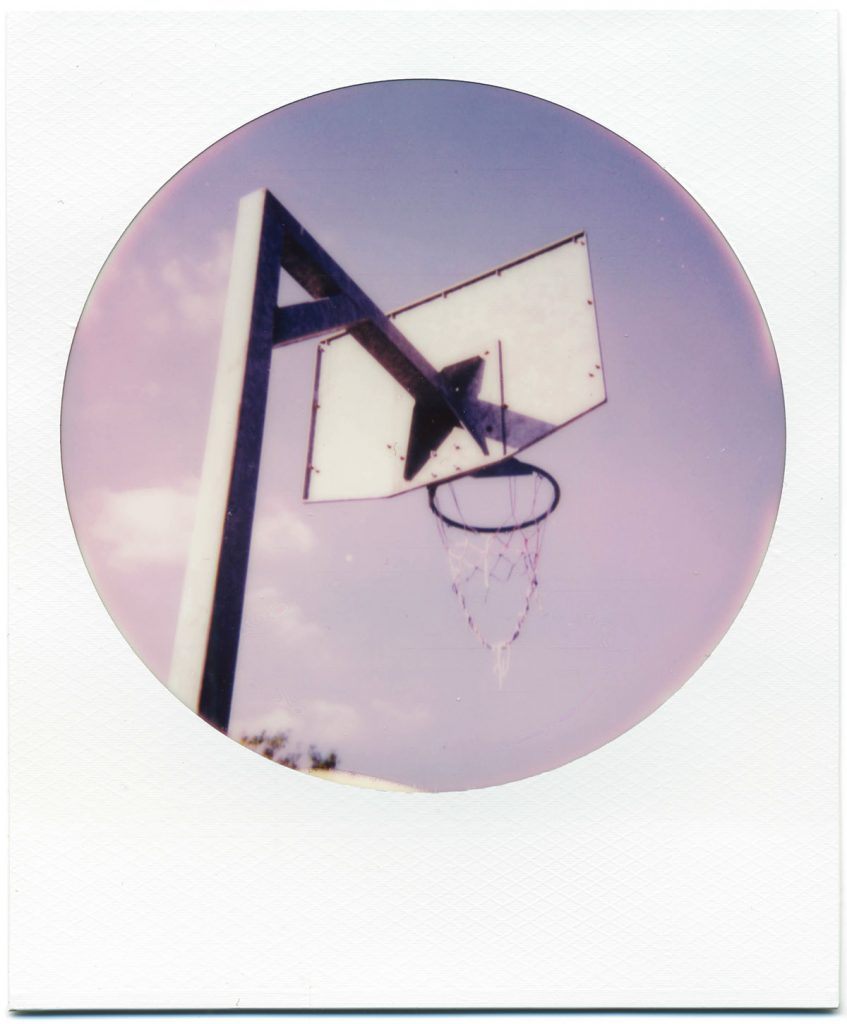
<point>276,747</point>
<point>319,761</point>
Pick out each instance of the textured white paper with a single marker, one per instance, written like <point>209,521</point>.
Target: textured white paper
<point>693,862</point>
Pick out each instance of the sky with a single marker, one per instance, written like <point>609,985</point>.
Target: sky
<point>352,637</point>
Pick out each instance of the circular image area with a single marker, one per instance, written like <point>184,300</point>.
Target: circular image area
<point>423,434</point>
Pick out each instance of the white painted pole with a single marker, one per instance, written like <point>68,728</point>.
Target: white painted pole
<point>267,238</point>
<point>252,272</point>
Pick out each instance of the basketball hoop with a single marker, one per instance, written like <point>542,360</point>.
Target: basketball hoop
<point>493,553</point>
<point>525,331</point>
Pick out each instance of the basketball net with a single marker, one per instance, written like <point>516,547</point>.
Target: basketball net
<point>493,568</point>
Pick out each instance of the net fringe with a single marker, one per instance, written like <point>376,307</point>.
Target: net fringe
<point>497,557</point>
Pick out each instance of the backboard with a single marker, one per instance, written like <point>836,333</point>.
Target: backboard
<point>525,332</point>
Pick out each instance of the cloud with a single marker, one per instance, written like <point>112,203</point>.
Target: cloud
<point>160,300</point>
<point>267,605</point>
<point>146,526</point>
<point>274,625</point>
<point>282,717</point>
<point>282,532</point>
<point>333,721</point>
<point>320,722</point>
<point>198,287</point>
<point>151,526</point>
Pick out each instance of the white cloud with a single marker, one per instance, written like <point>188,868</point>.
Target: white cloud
<point>281,532</point>
<point>280,718</point>
<point>320,722</point>
<point>151,526</point>
<point>194,291</point>
<point>266,604</point>
<point>184,275</point>
<point>332,721</point>
<point>276,626</point>
<point>172,274</point>
<point>146,526</point>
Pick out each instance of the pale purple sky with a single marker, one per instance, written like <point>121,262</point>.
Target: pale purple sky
<point>352,638</point>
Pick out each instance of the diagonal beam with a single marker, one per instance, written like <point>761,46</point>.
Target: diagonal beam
<point>307,319</point>
<point>316,271</point>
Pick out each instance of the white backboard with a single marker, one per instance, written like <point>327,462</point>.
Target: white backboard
<point>532,322</point>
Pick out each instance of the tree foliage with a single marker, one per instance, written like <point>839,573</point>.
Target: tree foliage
<point>277,747</point>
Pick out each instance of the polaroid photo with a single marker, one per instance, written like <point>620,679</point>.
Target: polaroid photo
<point>423,510</point>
